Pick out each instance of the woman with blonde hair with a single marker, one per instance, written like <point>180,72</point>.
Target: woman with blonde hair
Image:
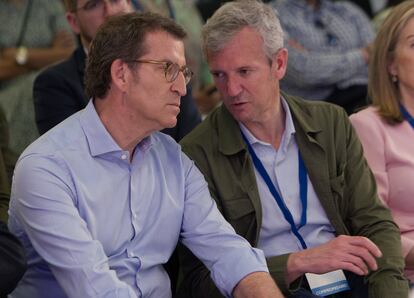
<point>386,128</point>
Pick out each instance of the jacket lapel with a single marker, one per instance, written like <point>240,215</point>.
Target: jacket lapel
<point>231,143</point>
<point>309,129</point>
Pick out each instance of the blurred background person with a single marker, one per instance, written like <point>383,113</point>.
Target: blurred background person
<point>386,128</point>
<point>328,45</point>
<point>380,15</point>
<point>33,34</point>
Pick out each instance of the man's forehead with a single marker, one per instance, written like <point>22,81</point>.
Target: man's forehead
<point>163,43</point>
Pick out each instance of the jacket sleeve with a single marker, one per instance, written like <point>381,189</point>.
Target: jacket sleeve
<point>55,99</point>
<point>365,215</point>
<point>7,162</point>
<point>12,260</point>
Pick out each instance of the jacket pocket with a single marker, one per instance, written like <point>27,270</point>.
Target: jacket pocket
<point>240,213</point>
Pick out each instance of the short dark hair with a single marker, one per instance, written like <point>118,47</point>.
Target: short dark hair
<point>122,37</point>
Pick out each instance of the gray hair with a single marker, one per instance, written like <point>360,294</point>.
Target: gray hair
<point>230,18</point>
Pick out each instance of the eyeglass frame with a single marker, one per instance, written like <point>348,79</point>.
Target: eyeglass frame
<point>167,65</point>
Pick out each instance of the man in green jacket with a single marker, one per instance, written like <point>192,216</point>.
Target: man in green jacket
<point>288,174</point>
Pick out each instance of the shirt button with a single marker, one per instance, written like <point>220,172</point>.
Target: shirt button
<point>131,254</point>
<point>134,215</point>
<point>123,156</point>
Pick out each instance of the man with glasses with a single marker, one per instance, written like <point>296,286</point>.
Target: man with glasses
<point>100,202</point>
<point>59,90</point>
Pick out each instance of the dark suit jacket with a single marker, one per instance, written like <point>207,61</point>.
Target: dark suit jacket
<point>12,261</point>
<point>59,92</point>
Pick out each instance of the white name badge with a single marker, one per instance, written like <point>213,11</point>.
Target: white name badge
<point>328,283</point>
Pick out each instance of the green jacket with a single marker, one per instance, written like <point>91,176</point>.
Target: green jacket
<point>340,176</point>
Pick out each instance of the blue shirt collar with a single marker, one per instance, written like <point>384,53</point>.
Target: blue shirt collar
<point>99,139</point>
<point>287,134</point>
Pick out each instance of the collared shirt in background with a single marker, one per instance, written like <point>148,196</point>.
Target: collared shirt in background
<point>331,38</point>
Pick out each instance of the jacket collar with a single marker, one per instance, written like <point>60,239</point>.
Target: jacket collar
<point>231,141</point>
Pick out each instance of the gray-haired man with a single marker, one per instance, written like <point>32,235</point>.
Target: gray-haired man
<point>288,174</point>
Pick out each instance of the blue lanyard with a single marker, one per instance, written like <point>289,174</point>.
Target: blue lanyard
<point>303,191</point>
<point>407,115</point>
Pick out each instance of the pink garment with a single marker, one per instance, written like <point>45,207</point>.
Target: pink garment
<point>389,150</point>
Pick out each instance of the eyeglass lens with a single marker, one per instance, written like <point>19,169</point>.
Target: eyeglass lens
<point>174,69</point>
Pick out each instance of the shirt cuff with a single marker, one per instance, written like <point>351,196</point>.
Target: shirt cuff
<point>237,265</point>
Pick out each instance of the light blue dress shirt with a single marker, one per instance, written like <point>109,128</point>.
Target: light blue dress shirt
<point>276,237</point>
<point>94,224</point>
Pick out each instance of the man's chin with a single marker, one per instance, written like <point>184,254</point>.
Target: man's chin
<point>170,124</point>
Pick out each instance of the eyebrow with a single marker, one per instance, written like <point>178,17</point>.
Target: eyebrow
<point>410,36</point>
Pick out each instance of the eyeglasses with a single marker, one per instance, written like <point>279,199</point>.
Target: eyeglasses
<point>171,70</point>
<point>92,5</point>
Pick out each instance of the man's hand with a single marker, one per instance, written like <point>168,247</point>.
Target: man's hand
<point>352,253</point>
<point>255,285</point>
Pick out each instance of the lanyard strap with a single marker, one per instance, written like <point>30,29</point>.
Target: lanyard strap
<point>282,206</point>
<point>407,115</point>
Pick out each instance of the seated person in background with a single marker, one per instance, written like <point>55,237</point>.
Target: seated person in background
<point>328,46</point>
<point>386,129</point>
<point>12,261</point>
<point>383,13</point>
<point>33,34</point>
<point>288,174</point>
<point>59,90</point>
<point>370,7</point>
<point>101,202</point>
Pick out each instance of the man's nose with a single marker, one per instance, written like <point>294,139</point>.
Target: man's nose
<point>179,84</point>
<point>233,86</point>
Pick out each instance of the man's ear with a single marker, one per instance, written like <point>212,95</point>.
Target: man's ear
<point>73,22</point>
<point>119,74</point>
<point>279,63</point>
